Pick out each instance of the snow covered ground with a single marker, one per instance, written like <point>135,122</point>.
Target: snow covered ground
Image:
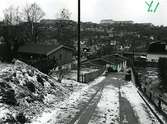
<point>68,109</point>
<point>50,102</point>
<point>26,91</point>
<point>72,85</point>
<point>145,116</point>
<point>73,74</point>
<point>107,110</point>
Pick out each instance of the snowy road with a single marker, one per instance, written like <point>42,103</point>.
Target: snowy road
<point>107,100</point>
<point>116,105</point>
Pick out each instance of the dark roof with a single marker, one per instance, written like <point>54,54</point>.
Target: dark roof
<point>157,48</point>
<point>41,49</point>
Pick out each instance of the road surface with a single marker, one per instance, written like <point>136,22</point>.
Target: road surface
<point>109,105</point>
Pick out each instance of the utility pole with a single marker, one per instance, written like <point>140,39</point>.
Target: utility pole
<point>79,55</point>
<point>133,52</point>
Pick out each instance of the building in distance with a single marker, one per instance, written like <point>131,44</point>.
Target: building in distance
<point>110,21</point>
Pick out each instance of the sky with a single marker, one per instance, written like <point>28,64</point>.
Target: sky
<point>96,10</point>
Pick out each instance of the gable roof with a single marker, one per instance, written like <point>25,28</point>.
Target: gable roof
<point>41,49</point>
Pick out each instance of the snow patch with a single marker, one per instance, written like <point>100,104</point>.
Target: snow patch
<point>66,110</point>
<point>107,111</point>
<point>129,91</point>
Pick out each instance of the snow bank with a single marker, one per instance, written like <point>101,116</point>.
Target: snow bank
<point>68,109</point>
<point>24,89</point>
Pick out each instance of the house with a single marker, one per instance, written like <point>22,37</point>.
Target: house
<point>45,56</point>
<point>156,50</point>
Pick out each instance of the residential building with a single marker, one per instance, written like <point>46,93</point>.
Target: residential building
<point>45,57</point>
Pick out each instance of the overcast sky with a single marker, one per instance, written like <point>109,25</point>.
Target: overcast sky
<point>95,10</point>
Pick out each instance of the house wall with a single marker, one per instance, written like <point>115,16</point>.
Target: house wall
<point>56,56</point>
<point>155,57</point>
<point>62,56</point>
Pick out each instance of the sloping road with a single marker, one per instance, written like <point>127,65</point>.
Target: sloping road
<point>126,114</point>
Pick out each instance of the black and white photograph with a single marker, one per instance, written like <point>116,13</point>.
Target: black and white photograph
<point>83,62</point>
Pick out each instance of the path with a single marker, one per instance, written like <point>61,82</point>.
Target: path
<point>113,106</point>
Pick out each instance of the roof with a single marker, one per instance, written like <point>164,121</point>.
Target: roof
<point>41,49</point>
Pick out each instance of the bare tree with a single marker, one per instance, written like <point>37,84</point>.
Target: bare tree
<point>64,14</point>
<point>12,15</point>
<point>10,31</point>
<point>33,14</point>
